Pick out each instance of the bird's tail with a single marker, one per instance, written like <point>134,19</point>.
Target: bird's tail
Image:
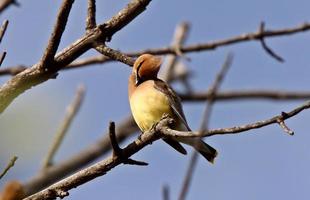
<point>203,148</point>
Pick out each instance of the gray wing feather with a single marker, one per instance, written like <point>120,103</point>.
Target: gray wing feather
<point>174,100</point>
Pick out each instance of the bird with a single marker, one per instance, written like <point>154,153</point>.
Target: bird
<point>151,98</point>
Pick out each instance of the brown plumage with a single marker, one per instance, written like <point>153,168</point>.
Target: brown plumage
<point>151,97</point>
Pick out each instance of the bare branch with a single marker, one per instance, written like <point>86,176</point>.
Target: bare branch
<point>246,95</point>
<point>62,169</point>
<point>91,15</point>
<point>265,46</point>
<point>59,28</point>
<point>98,169</point>
<point>160,130</point>
<point>283,125</point>
<point>71,112</point>
<point>34,76</point>
<point>77,47</point>
<point>204,124</point>
<point>116,149</point>
<point>6,3</point>
<point>2,57</point>
<point>237,129</point>
<point>179,38</point>
<point>115,55</point>
<point>166,195</point>
<point>224,42</point>
<point>3,29</point>
<point>9,166</point>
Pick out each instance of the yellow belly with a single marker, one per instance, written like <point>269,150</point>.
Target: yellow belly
<point>148,106</point>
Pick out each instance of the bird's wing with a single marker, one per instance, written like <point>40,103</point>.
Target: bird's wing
<point>174,100</point>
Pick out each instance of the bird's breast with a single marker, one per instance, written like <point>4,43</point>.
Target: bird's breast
<point>148,105</point>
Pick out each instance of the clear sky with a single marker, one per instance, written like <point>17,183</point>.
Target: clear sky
<point>259,164</point>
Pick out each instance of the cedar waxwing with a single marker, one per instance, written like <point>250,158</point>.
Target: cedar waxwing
<point>150,98</point>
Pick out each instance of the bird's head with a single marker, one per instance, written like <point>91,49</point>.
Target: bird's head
<point>146,67</point>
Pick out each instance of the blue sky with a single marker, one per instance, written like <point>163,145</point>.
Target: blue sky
<point>259,164</point>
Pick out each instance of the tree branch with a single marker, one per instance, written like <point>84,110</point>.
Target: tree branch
<point>204,124</point>
<point>71,112</point>
<point>157,51</point>
<point>9,166</point>
<point>238,129</point>
<point>62,169</point>
<point>61,188</point>
<point>246,95</point>
<point>91,15</point>
<point>53,43</point>
<point>34,76</point>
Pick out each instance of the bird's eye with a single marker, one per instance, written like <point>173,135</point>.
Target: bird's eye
<point>139,66</point>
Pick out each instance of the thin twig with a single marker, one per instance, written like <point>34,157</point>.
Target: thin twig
<point>34,75</point>
<point>171,50</point>
<point>166,193</point>
<point>2,57</point>
<point>254,94</point>
<point>91,15</point>
<point>9,166</point>
<point>118,152</point>
<point>3,29</point>
<point>71,112</point>
<point>204,124</point>
<point>238,129</point>
<point>265,46</point>
<point>59,28</point>
<point>160,130</point>
<point>179,37</point>
<point>99,148</point>
<point>113,54</point>
<point>116,149</point>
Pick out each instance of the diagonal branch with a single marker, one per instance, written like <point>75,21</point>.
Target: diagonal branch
<point>102,146</point>
<point>53,43</point>
<point>9,166</point>
<point>205,124</point>
<point>34,76</point>
<point>238,129</point>
<point>91,15</point>
<point>265,46</point>
<point>61,188</point>
<point>71,112</point>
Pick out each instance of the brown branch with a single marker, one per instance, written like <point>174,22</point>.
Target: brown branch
<point>113,54</point>
<point>3,29</point>
<point>2,57</point>
<point>61,188</point>
<point>71,50</point>
<point>9,166</point>
<point>179,37</point>
<point>71,112</point>
<point>224,42</point>
<point>84,157</point>
<point>265,46</point>
<point>238,129</point>
<point>53,43</point>
<point>80,63</point>
<point>246,95</point>
<point>4,4</point>
<point>34,76</point>
<point>205,124</point>
<point>91,15</point>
